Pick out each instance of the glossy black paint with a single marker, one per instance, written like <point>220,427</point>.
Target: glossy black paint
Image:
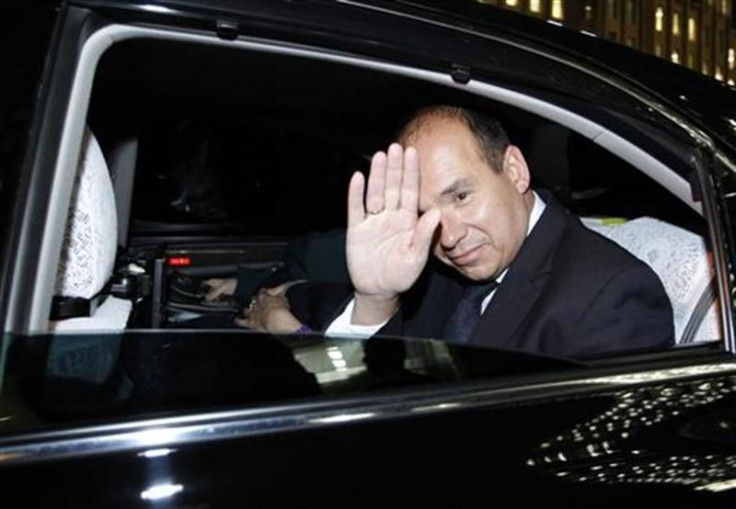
<point>592,441</point>
<point>541,434</point>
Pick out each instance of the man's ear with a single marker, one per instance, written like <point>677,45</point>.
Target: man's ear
<point>516,169</point>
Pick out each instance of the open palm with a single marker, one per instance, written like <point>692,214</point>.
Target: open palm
<point>388,242</point>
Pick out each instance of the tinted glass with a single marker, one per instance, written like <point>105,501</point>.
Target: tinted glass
<point>53,380</point>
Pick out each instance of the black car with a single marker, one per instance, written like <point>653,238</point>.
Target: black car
<point>149,146</point>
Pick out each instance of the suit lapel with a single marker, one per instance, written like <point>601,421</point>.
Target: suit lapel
<point>427,317</point>
<point>524,281</point>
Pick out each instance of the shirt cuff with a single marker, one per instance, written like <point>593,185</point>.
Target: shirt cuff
<point>341,326</point>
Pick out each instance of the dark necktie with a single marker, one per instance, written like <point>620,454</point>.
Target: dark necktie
<point>467,314</point>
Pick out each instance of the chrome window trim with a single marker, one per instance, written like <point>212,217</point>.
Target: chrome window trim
<point>104,38</point>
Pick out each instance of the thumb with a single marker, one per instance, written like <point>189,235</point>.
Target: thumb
<point>276,290</point>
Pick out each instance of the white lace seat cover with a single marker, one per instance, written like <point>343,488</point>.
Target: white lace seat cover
<point>112,315</point>
<point>90,242</point>
<point>681,260</point>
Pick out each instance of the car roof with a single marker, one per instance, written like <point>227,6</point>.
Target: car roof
<point>704,101</point>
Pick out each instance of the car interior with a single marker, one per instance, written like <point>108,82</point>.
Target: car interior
<point>199,160</point>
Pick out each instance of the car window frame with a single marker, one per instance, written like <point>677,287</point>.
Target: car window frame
<point>96,41</point>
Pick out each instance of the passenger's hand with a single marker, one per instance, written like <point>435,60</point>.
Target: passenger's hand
<point>269,311</point>
<point>218,287</point>
<point>388,243</point>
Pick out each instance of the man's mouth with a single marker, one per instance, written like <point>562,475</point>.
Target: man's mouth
<point>466,257</point>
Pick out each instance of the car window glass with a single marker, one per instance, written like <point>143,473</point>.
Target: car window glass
<point>55,380</point>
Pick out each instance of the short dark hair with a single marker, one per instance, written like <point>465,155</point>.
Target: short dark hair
<point>489,134</point>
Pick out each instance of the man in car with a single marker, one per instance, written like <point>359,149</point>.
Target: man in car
<point>511,267</point>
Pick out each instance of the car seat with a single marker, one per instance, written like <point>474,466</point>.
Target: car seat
<point>681,260</point>
<point>81,296</point>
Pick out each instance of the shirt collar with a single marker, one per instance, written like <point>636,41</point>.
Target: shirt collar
<point>537,210</point>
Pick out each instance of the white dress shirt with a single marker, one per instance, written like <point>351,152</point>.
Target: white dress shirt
<point>342,327</point>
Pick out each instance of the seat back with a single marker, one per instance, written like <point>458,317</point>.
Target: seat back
<point>90,244</point>
<point>547,153</point>
<point>681,260</point>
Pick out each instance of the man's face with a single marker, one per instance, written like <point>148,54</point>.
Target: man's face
<point>485,214</point>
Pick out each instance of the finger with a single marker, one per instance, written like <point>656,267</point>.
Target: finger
<point>356,211</point>
<point>374,198</point>
<point>410,181</point>
<point>247,311</point>
<point>424,232</point>
<point>264,300</point>
<point>248,324</point>
<point>293,283</point>
<point>214,293</point>
<point>276,290</point>
<point>395,164</point>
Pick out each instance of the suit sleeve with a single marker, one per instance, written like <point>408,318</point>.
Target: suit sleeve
<point>631,311</point>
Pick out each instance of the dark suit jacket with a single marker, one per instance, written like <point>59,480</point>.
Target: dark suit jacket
<point>569,292</point>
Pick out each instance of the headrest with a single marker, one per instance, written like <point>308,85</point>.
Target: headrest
<point>547,156</point>
<point>90,239</point>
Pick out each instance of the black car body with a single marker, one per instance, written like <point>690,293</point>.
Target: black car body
<point>297,93</point>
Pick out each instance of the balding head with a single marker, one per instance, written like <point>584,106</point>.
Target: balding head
<point>489,135</point>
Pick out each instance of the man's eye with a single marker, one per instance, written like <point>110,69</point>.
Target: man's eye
<point>461,197</point>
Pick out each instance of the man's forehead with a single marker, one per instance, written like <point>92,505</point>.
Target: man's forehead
<point>436,124</point>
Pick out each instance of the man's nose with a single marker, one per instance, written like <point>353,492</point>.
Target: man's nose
<point>452,230</point>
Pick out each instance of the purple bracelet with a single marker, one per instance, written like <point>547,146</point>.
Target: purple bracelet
<point>303,329</point>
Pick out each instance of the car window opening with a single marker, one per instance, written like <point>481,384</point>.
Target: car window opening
<point>211,178</point>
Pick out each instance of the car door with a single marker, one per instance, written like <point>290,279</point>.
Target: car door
<point>226,418</point>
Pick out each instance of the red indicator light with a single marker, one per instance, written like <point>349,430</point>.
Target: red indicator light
<point>179,261</point>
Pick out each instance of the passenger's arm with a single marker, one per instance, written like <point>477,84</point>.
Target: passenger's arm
<point>269,311</point>
<point>218,287</point>
<point>342,326</point>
